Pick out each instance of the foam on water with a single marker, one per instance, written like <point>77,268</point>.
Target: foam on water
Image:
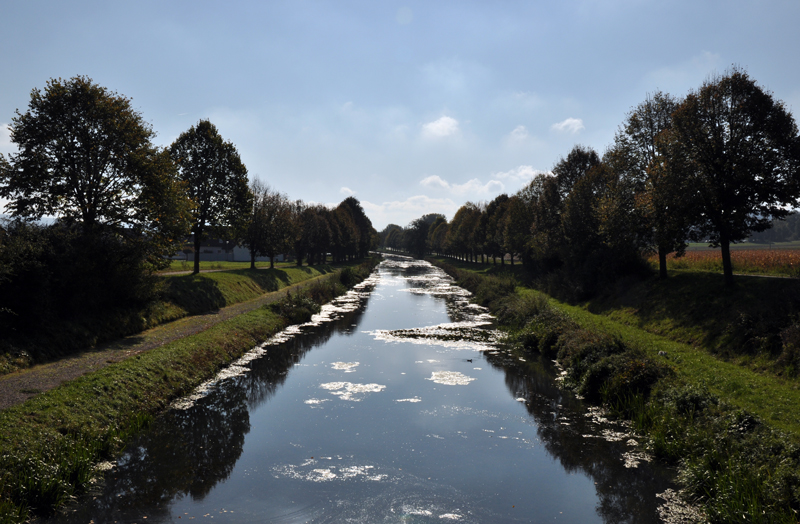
<point>450,378</point>
<point>350,391</point>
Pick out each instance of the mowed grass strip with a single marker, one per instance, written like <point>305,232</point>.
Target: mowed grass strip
<point>193,294</point>
<point>216,265</point>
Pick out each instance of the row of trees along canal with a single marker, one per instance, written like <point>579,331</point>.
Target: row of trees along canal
<point>121,205</point>
<point>716,166</point>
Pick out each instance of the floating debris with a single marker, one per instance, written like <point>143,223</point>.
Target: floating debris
<point>632,459</point>
<point>415,399</point>
<point>349,391</point>
<point>450,378</point>
<point>347,367</point>
<point>676,511</point>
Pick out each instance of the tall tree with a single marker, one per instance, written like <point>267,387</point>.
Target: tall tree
<point>743,150</point>
<point>86,157</point>
<point>216,181</point>
<point>363,224</point>
<point>416,237</point>
<point>656,204</point>
<point>269,228</point>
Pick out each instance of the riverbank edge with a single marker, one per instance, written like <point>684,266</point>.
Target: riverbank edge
<point>733,467</point>
<point>54,447</point>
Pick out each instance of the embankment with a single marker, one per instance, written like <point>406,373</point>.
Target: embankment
<point>177,296</point>
<point>51,446</point>
<point>731,432</point>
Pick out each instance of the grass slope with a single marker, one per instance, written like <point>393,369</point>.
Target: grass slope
<point>179,296</point>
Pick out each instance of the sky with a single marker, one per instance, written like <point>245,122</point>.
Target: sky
<point>411,107</point>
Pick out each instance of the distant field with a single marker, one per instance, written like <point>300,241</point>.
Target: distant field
<point>182,265</point>
<point>757,259</point>
<point>699,246</point>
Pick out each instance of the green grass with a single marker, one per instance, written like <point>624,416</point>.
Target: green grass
<point>180,296</point>
<point>742,323</point>
<point>208,291</point>
<point>771,398</point>
<point>183,265</point>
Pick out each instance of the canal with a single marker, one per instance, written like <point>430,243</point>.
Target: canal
<point>396,404</point>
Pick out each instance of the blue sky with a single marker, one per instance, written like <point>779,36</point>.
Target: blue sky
<point>413,107</point>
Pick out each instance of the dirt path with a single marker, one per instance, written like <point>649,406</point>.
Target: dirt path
<point>17,387</point>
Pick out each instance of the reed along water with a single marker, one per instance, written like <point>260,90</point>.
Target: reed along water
<point>398,403</point>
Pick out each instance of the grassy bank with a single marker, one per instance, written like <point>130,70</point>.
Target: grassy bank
<point>215,265</point>
<point>732,432</point>
<point>178,296</point>
<point>51,446</point>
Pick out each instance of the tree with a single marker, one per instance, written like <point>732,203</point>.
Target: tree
<point>416,237</point>
<point>86,157</point>
<point>655,205</point>
<point>743,152</point>
<point>216,181</point>
<point>363,224</point>
<point>268,230</point>
<point>516,228</point>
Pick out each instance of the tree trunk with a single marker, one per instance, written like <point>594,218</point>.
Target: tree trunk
<point>197,239</point>
<point>662,263</point>
<point>727,267</point>
<point>252,260</point>
<point>272,261</point>
<point>510,258</point>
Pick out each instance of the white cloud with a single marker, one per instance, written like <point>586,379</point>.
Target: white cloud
<point>434,181</point>
<point>402,212</point>
<point>523,174</point>
<point>519,134</point>
<point>347,191</point>
<point>443,127</point>
<point>473,187</point>
<point>570,125</point>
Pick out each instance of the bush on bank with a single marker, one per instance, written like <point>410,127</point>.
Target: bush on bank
<point>50,446</point>
<point>736,467</point>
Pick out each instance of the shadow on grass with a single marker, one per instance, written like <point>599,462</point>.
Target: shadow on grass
<point>697,308</point>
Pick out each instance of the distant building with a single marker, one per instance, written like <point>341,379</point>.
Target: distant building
<point>216,250</point>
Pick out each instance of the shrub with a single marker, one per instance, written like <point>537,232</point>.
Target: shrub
<point>623,375</point>
<point>579,349</point>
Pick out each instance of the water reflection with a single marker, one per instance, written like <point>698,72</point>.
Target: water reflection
<point>376,426</point>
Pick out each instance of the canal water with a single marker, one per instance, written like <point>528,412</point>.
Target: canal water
<point>396,404</point>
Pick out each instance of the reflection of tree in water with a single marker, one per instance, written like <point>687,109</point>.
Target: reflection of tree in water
<point>187,452</point>
<point>627,495</point>
<point>269,372</point>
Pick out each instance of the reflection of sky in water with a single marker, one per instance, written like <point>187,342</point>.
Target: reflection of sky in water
<point>416,432</point>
